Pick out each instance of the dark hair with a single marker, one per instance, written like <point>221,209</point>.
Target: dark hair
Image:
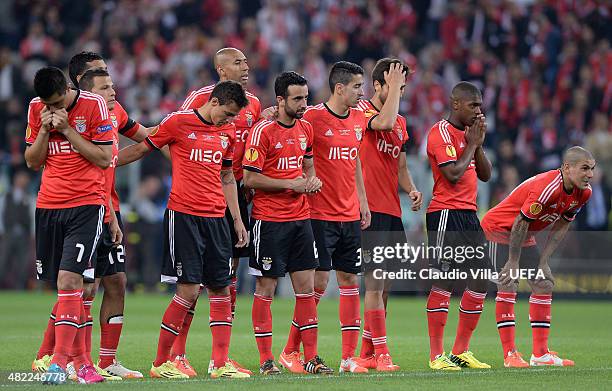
<point>465,89</point>
<point>48,81</point>
<point>78,65</point>
<point>286,79</point>
<point>229,91</point>
<point>383,65</point>
<point>342,72</point>
<point>87,80</point>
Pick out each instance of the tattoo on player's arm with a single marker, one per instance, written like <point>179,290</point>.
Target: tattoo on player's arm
<point>517,236</point>
<point>227,177</point>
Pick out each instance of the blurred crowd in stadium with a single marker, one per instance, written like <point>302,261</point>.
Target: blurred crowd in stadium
<point>544,67</point>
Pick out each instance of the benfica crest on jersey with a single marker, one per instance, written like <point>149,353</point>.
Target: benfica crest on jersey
<point>113,118</point>
<point>302,142</point>
<point>224,141</point>
<point>80,125</point>
<point>249,118</point>
<point>358,132</point>
<point>400,134</point>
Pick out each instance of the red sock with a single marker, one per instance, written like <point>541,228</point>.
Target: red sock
<point>88,326</point>
<point>220,328</point>
<point>172,322</point>
<point>539,316</point>
<point>295,339</point>
<point>180,343</point>
<point>306,314</point>
<point>350,322</point>
<point>79,353</point>
<point>262,326</point>
<point>378,327</point>
<point>48,342</point>
<point>504,316</point>
<point>109,339</point>
<point>469,314</point>
<point>367,349</point>
<point>67,321</point>
<point>437,312</point>
<point>232,289</point>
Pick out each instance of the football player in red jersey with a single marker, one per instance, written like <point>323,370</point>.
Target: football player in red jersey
<point>553,197</point>
<point>278,165</point>
<point>70,205</point>
<point>340,210</point>
<point>458,161</point>
<point>384,167</point>
<point>230,64</point>
<point>197,245</point>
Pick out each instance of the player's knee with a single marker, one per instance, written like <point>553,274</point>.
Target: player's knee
<point>542,287</point>
<point>114,286</point>
<point>509,288</point>
<point>89,290</point>
<point>265,286</point>
<point>345,279</point>
<point>69,281</point>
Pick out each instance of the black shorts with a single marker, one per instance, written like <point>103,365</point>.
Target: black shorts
<point>197,250</point>
<point>118,253</point>
<point>338,244</point>
<point>499,252</point>
<point>105,266</point>
<point>384,231</point>
<point>281,247</point>
<point>67,239</point>
<point>458,239</point>
<point>238,252</point>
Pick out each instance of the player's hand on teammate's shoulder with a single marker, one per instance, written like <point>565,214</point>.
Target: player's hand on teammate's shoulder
<point>60,120</point>
<point>417,199</point>
<point>270,113</point>
<point>396,75</point>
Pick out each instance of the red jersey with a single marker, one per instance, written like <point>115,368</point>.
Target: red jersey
<point>380,152</point>
<point>445,144</point>
<point>278,151</point>
<point>126,127</point>
<point>337,140</point>
<point>69,180</point>
<point>198,150</point>
<point>244,121</point>
<point>541,200</point>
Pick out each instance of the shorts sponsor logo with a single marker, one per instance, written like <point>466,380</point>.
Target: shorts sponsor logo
<point>266,263</point>
<point>535,208</point>
<point>179,269</point>
<point>251,154</point>
<point>450,151</point>
<point>39,269</point>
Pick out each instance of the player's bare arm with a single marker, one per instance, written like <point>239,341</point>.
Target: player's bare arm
<point>520,229</point>
<point>100,155</point>
<point>313,183</point>
<point>36,154</point>
<point>255,180</point>
<point>228,183</point>
<point>364,209</point>
<point>115,230</point>
<point>132,153</point>
<point>396,79</point>
<point>483,165</point>
<point>407,184</point>
<point>473,136</point>
<point>556,236</point>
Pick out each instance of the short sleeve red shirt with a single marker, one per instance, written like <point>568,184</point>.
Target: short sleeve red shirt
<point>244,121</point>
<point>278,151</point>
<point>337,140</point>
<point>380,152</point>
<point>445,145</point>
<point>69,179</point>
<point>541,199</point>
<point>199,150</point>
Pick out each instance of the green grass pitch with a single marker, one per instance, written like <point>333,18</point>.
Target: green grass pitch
<point>581,330</point>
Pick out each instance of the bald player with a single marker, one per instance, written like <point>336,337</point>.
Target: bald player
<point>553,197</point>
<point>230,64</point>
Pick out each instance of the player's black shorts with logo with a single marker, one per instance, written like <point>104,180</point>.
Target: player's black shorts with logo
<point>460,238</point>
<point>284,247</point>
<point>118,253</point>
<point>238,252</point>
<point>499,252</point>
<point>110,259</point>
<point>67,239</point>
<point>385,230</point>
<point>197,250</point>
<point>338,244</point>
